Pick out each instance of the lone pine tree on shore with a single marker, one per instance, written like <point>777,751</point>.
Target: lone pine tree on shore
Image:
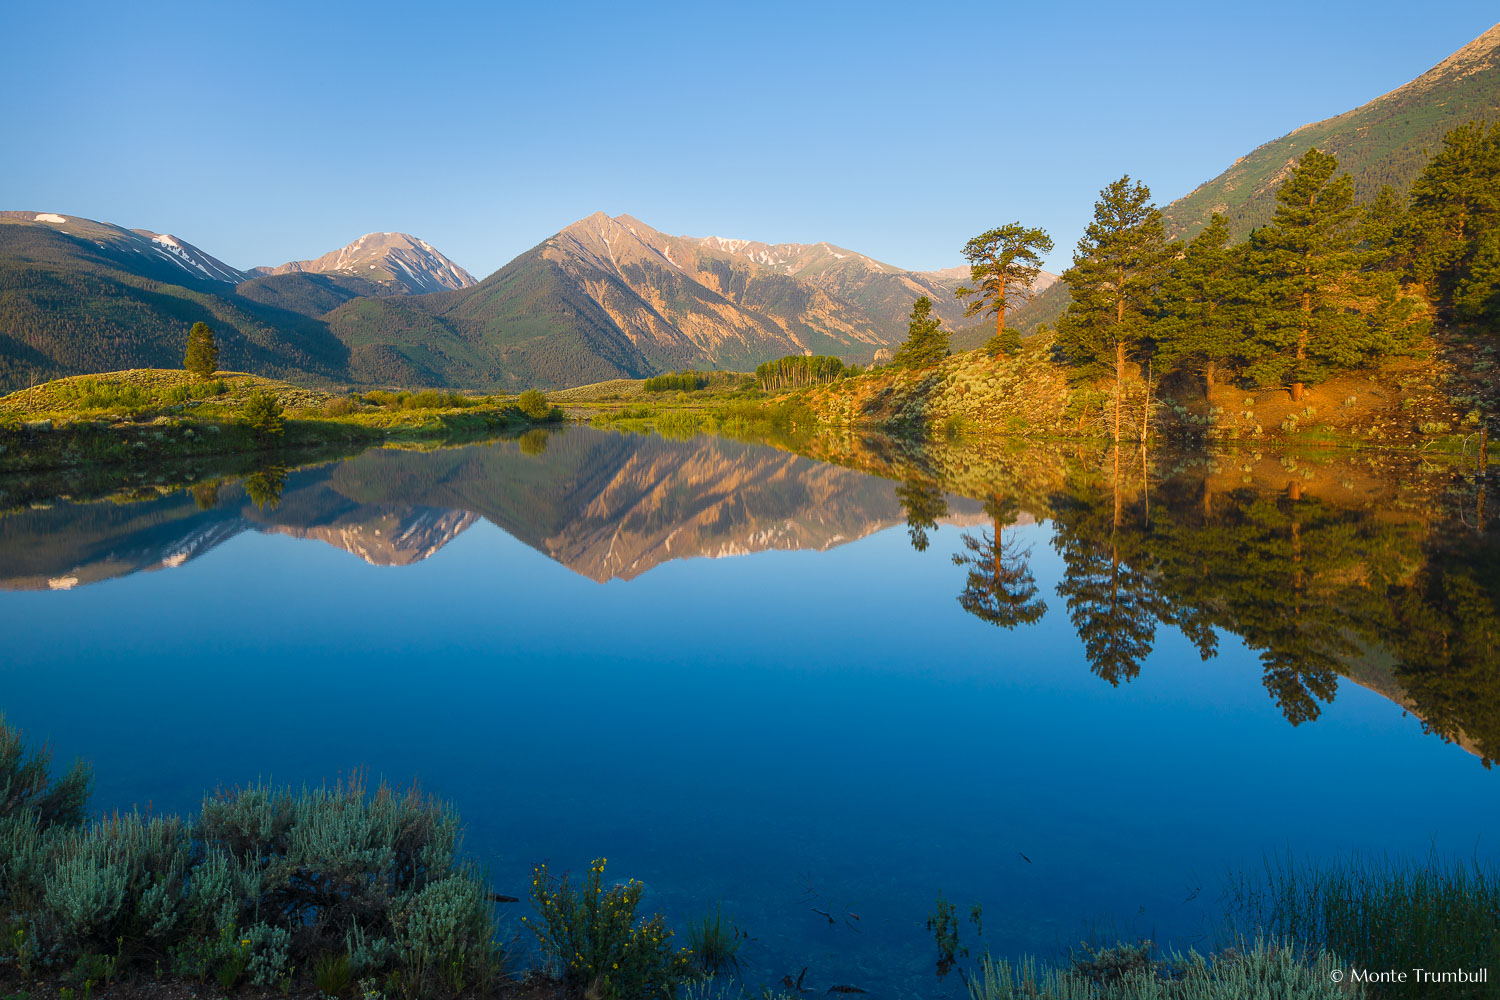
<point>202,357</point>
<point>1003,263</point>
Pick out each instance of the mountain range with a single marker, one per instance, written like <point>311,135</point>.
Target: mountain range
<point>605,297</point>
<point>602,298</point>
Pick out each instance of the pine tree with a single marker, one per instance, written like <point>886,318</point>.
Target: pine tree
<point>1322,303</point>
<point>1302,259</point>
<point>1201,305</point>
<point>1455,203</point>
<point>1003,265</point>
<point>1385,233</point>
<point>926,340</point>
<point>1477,298</point>
<point>202,357</point>
<point>1121,258</point>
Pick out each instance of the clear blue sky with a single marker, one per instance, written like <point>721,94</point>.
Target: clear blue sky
<point>269,132</point>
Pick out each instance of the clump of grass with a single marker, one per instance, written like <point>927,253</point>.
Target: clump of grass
<point>333,975</point>
<point>713,942</point>
<point>1377,913</point>
<point>1262,971</point>
<point>677,425</point>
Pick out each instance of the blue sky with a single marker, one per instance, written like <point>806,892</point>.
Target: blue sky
<point>271,132</point>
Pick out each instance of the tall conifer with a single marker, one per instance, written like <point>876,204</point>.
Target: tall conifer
<point>926,340</point>
<point>1121,258</point>
<point>1201,305</point>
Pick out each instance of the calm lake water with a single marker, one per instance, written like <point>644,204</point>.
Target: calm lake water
<point>750,677</point>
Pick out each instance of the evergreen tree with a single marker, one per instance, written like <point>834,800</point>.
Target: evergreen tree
<point>1202,305</point>
<point>1455,204</point>
<point>202,357</point>
<point>262,414</point>
<point>1317,309</point>
<point>1385,234</point>
<point>1477,299</point>
<point>1121,258</point>
<point>926,340</point>
<point>1003,263</point>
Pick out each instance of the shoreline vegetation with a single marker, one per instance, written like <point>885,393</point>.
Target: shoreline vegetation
<point>147,416</point>
<point>348,891</point>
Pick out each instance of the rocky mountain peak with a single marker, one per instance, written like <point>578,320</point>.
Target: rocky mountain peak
<point>401,260</point>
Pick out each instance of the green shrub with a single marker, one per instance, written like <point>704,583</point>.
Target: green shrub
<point>373,877</point>
<point>590,933</point>
<point>263,415</point>
<point>92,394</point>
<point>534,404</point>
<point>444,934</point>
<point>341,407</point>
<point>677,425</point>
<point>27,791</point>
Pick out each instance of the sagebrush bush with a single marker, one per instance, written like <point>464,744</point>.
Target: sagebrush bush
<point>264,880</point>
<point>28,791</point>
<point>591,935</point>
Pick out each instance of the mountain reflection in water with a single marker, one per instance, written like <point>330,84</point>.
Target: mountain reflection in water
<point>1387,578</point>
<point>984,673</point>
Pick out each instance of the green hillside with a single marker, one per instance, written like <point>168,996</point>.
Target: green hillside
<point>70,306</point>
<point>526,324</point>
<point>1387,141</point>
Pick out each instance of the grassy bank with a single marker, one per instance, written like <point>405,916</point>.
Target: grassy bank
<point>131,417</point>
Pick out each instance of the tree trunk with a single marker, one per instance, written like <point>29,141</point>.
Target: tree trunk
<point>1119,353</point>
<point>1000,331</point>
<point>1146,413</point>
<point>1302,337</point>
<point>1119,384</point>
<point>1209,371</point>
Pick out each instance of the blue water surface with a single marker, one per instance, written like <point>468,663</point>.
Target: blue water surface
<point>779,731</point>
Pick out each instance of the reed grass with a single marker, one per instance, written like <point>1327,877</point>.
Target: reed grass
<point>714,942</point>
<point>1379,913</point>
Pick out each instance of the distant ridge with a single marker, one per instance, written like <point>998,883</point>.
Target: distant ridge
<point>402,261</point>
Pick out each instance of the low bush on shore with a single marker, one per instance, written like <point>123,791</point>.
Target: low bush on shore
<point>344,882</point>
